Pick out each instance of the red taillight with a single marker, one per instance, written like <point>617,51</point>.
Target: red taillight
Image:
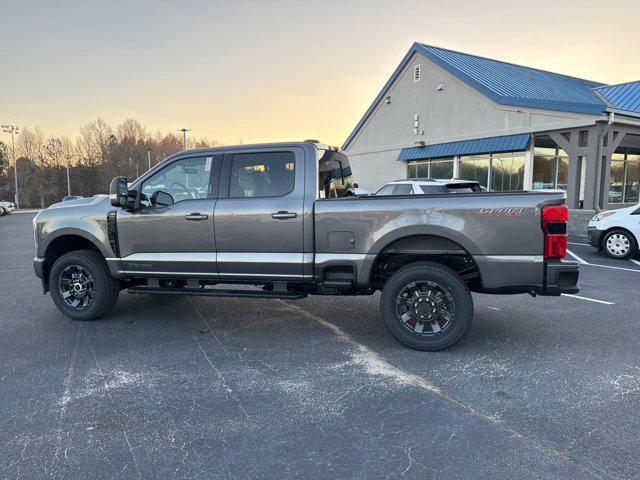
<point>555,213</point>
<point>554,226</point>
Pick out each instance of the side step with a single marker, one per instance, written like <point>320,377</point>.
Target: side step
<point>210,292</point>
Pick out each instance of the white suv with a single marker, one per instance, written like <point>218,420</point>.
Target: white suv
<point>422,186</point>
<point>6,207</point>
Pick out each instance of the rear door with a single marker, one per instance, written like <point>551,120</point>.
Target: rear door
<point>259,215</point>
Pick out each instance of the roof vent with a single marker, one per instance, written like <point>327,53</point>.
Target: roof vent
<point>417,70</point>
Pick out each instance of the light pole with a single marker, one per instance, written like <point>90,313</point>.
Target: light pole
<point>12,129</point>
<point>68,177</point>
<point>184,136</point>
<point>149,158</point>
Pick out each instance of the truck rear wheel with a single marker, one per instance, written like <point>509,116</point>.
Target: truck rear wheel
<point>81,285</point>
<point>426,306</point>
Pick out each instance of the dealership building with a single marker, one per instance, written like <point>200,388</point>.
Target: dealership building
<point>445,114</point>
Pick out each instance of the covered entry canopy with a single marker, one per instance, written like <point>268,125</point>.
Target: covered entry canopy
<point>505,143</point>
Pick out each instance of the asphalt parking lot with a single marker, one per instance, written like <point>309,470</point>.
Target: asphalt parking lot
<point>236,388</point>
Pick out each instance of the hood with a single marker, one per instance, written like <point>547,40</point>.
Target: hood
<point>79,202</point>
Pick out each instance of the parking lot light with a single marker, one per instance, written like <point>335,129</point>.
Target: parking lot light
<point>13,130</point>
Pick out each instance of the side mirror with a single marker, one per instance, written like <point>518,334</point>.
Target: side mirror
<point>161,198</point>
<point>118,192</point>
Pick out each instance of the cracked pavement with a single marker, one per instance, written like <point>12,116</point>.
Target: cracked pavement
<point>168,387</point>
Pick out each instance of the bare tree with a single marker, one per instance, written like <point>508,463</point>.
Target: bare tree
<point>31,147</point>
<point>99,153</point>
<point>4,158</point>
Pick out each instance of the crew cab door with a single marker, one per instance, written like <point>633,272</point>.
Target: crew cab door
<point>174,238</point>
<point>259,215</point>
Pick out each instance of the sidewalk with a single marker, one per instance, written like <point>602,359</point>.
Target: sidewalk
<point>26,210</point>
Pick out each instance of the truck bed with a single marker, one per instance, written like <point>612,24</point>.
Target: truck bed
<point>501,231</point>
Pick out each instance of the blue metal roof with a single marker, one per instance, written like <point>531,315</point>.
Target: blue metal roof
<point>510,84</point>
<point>503,82</point>
<point>506,143</point>
<point>625,96</point>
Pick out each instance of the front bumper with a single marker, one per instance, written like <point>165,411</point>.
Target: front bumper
<point>38,267</point>
<point>595,237</point>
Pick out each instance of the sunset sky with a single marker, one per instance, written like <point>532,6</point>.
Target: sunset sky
<point>274,70</point>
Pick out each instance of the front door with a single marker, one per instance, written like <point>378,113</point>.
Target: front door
<point>174,233</point>
<point>259,215</point>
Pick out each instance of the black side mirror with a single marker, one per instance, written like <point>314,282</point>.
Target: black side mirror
<point>161,198</point>
<point>119,192</point>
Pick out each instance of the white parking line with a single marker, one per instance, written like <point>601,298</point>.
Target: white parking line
<point>588,299</point>
<point>576,243</point>
<point>584,262</point>
<point>615,268</point>
<point>577,257</point>
<point>635,261</point>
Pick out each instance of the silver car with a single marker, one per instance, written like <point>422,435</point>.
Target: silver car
<point>426,186</point>
<point>6,207</point>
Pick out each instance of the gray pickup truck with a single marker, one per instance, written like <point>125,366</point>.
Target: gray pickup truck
<point>275,216</point>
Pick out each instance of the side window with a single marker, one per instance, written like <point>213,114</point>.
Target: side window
<point>264,174</point>
<point>431,189</point>
<point>386,190</point>
<point>186,179</point>
<point>404,189</point>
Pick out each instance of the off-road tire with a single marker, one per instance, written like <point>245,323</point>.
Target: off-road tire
<point>105,288</point>
<point>448,280</point>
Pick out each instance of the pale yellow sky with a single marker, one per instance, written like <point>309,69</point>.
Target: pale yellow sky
<point>275,70</point>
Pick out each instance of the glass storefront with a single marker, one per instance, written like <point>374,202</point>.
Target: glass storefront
<point>475,167</point>
<point>507,171</point>
<point>431,168</point>
<point>625,176</point>
<point>504,171</point>
<point>550,168</point>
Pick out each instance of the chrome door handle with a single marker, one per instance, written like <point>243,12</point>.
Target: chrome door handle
<point>282,214</point>
<point>196,217</point>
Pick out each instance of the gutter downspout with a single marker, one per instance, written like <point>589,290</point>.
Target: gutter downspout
<point>605,130</point>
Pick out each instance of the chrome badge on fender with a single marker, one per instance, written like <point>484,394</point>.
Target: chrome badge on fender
<point>511,212</point>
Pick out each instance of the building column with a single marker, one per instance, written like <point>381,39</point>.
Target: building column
<point>605,180</point>
<point>610,142</point>
<point>527,181</point>
<point>573,181</point>
<point>591,159</point>
<point>570,143</point>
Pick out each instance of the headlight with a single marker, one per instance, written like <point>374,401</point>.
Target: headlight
<point>602,216</point>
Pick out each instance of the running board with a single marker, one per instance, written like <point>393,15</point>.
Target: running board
<point>210,292</point>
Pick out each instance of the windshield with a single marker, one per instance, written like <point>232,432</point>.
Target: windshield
<point>334,174</point>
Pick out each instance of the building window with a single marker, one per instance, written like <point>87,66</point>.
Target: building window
<point>507,171</point>
<point>493,171</point>
<point>417,70</point>
<point>431,168</point>
<point>441,169</point>
<point>625,176</point>
<point>550,168</point>
<point>476,167</point>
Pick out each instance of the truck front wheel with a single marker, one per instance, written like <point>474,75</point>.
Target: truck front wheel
<point>81,285</point>
<point>426,306</point>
